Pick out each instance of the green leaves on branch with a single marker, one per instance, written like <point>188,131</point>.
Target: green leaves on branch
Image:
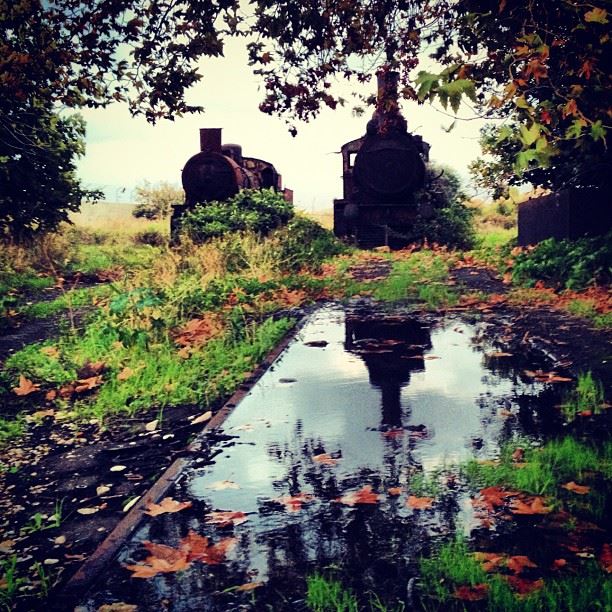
<point>447,90</point>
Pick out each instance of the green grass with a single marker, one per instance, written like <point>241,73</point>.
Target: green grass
<point>496,237</point>
<point>419,278</point>
<point>556,463</point>
<point>11,429</point>
<point>327,595</point>
<point>35,364</point>
<point>71,299</point>
<point>587,309</point>
<point>453,565</point>
<point>588,395</point>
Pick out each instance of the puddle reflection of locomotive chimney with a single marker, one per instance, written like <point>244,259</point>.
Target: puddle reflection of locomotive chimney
<point>391,348</point>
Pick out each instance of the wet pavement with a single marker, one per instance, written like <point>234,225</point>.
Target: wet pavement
<point>327,457</point>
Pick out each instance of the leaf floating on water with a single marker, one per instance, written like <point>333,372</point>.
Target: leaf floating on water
<point>193,547</point>
<point>499,355</point>
<point>393,433</point>
<point>550,377</point>
<point>494,497</point>
<point>518,563</point>
<point>576,488</point>
<point>419,503</point>
<point>198,548</point>
<point>166,506</point>
<point>431,357</point>
<point>221,485</point>
<point>365,495</point>
<point>118,606</point>
<point>535,506</point>
<point>395,491</point>
<point>472,593</point>
<point>523,586</point>
<point>161,560</point>
<point>206,416</point>
<point>294,503</point>
<point>25,386</point>
<point>325,459</point>
<point>118,468</point>
<point>226,519</point>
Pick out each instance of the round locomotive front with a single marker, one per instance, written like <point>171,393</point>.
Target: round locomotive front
<point>389,168</point>
<point>211,176</point>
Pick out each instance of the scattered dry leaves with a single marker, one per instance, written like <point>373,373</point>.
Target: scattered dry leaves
<point>206,416</point>
<point>125,374</point>
<point>605,558</point>
<point>166,506</point>
<point>489,560</point>
<point>395,491</point>
<point>87,384</point>
<point>197,331</point>
<point>535,505</point>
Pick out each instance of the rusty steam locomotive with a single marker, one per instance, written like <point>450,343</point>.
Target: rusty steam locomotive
<point>219,172</point>
<point>381,173</point>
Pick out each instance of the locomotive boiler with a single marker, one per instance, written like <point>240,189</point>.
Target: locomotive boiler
<point>382,170</point>
<point>220,171</point>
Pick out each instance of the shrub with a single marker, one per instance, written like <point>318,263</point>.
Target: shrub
<point>569,264</point>
<point>258,211</point>
<point>305,243</point>
<point>155,201</point>
<point>150,237</point>
<point>449,221</point>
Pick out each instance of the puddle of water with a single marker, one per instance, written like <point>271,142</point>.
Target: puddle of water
<point>384,401</point>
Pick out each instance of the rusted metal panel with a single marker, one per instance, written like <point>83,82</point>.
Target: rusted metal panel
<point>210,140</point>
<point>569,213</point>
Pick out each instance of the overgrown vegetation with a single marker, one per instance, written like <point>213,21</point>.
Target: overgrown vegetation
<point>254,210</point>
<point>569,264</point>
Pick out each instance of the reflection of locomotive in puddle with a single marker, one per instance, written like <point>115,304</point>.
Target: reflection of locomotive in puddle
<point>392,348</point>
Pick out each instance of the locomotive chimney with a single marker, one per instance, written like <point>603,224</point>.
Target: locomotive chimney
<point>210,140</point>
<point>388,115</point>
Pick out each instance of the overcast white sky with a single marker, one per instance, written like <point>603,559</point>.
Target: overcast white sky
<point>123,151</point>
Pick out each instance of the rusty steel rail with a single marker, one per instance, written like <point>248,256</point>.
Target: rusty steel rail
<point>82,581</point>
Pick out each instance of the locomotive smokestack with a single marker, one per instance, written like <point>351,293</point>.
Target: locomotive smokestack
<point>388,115</point>
<point>210,140</point>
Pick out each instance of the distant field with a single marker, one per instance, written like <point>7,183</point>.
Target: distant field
<point>117,217</point>
<point>114,217</point>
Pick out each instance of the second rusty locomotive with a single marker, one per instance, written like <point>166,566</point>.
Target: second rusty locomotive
<point>219,171</point>
<point>381,173</point>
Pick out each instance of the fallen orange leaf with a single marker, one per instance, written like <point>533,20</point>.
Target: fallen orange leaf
<point>250,586</point>
<point>472,593</point>
<point>393,433</point>
<point>293,503</point>
<point>125,374</point>
<point>198,548</point>
<point>419,503</point>
<point>364,495</point>
<point>395,491</point>
<point>225,519</point>
<point>518,563</point>
<point>605,558</point>
<point>87,384</point>
<point>325,459</point>
<point>523,586</point>
<point>163,559</point>
<point>490,561</point>
<point>25,386</point>
<point>167,505</point>
<point>535,506</point>
<point>576,488</point>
